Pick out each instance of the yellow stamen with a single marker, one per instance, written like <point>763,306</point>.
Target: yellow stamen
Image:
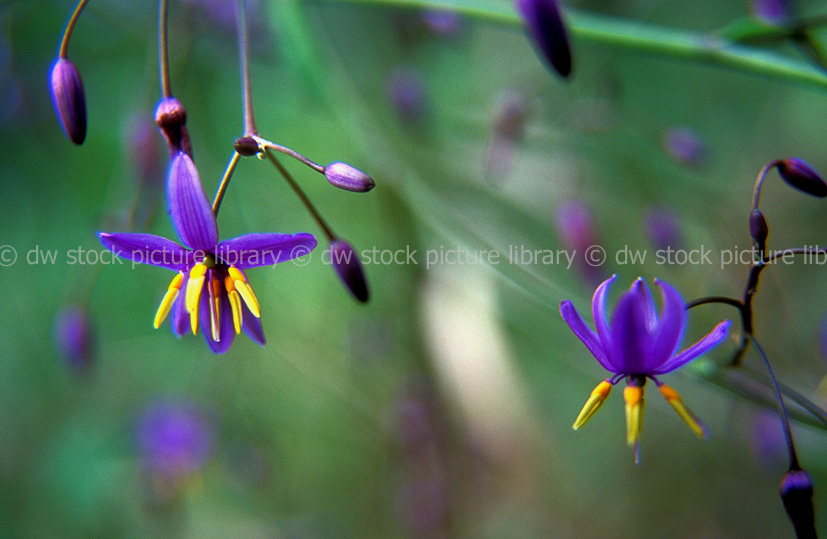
<point>595,401</point>
<point>194,288</point>
<point>215,308</point>
<point>635,402</point>
<point>169,299</point>
<point>675,401</point>
<point>235,304</point>
<point>240,282</point>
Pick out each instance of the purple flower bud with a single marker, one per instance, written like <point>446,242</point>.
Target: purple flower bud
<point>773,12</point>
<point>348,178</point>
<point>171,119</point>
<point>758,228</point>
<point>800,175</point>
<point>69,99</point>
<point>174,438</point>
<point>545,24</point>
<point>73,337</point>
<point>406,92</point>
<point>796,491</point>
<point>662,228</point>
<point>684,146</point>
<point>246,146</point>
<point>346,262</point>
<point>442,22</point>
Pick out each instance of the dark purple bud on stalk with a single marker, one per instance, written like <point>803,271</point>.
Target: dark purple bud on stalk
<point>796,491</point>
<point>246,146</point>
<point>69,99</point>
<point>73,338</point>
<point>348,178</point>
<point>346,262</point>
<point>758,228</point>
<point>171,119</point>
<point>800,175</point>
<point>545,24</point>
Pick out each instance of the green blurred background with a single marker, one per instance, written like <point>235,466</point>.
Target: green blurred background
<point>443,407</point>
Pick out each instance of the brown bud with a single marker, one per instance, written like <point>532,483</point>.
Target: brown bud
<point>171,119</point>
<point>246,146</point>
<point>69,99</point>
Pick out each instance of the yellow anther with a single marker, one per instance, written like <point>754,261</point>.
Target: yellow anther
<point>675,401</point>
<point>235,304</point>
<point>240,282</point>
<point>194,286</point>
<point>635,402</point>
<point>169,299</point>
<point>215,308</point>
<point>595,401</point>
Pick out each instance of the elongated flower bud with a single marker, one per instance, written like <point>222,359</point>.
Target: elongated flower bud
<point>348,178</point>
<point>545,24</point>
<point>796,491</point>
<point>758,228</point>
<point>800,175</point>
<point>69,99</point>
<point>346,262</point>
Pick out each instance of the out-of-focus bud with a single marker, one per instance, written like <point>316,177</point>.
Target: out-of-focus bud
<point>171,119</point>
<point>662,228</point>
<point>510,115</point>
<point>796,491</point>
<point>800,175</point>
<point>69,99</point>
<point>576,228</point>
<point>442,22</point>
<point>406,92</point>
<point>346,262</point>
<point>73,337</point>
<point>758,228</point>
<point>246,146</point>
<point>684,146</point>
<point>773,12</point>
<point>348,178</point>
<point>545,24</point>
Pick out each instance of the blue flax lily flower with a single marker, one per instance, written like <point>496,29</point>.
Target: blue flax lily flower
<point>216,291</point>
<point>638,343</point>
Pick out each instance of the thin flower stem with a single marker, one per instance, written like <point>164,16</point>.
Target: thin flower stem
<point>225,182</point>
<point>64,44</point>
<point>701,48</point>
<point>782,409</point>
<point>715,299</point>
<point>796,251</point>
<point>759,182</point>
<point>287,151</point>
<point>163,54</point>
<point>244,60</point>
<point>795,396</point>
<point>298,190</point>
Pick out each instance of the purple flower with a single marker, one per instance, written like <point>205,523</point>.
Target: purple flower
<point>174,438</point>
<point>74,337</point>
<point>637,343</point>
<point>544,22</point>
<point>216,291</point>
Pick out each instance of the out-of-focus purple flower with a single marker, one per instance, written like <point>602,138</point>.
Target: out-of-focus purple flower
<point>74,337</point>
<point>442,22</point>
<point>217,292</point>
<point>406,92</point>
<point>422,505</point>
<point>684,146</point>
<point>143,148</point>
<point>348,178</point>
<point>635,344</point>
<point>575,226</point>
<point>544,22</point>
<point>767,439</point>
<point>348,267</point>
<point>69,99</point>
<point>802,176</point>
<point>662,228</point>
<point>773,12</point>
<point>509,126</point>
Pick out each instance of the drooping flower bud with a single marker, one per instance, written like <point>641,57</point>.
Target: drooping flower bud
<point>800,175</point>
<point>758,228</point>
<point>796,491</point>
<point>73,338</point>
<point>545,24</point>
<point>171,119</point>
<point>348,178</point>
<point>346,262</point>
<point>69,99</point>
<point>246,146</point>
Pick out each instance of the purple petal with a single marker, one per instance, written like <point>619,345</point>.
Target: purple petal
<point>188,205</point>
<point>670,327</point>
<point>545,24</point>
<point>226,331</point>
<point>599,314</point>
<point>713,338</point>
<point>180,317</point>
<point>147,249</point>
<point>631,344</point>
<point>585,334</point>
<point>252,325</point>
<point>253,250</point>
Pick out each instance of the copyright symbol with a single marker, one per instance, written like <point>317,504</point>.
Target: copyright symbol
<point>595,256</point>
<point>297,254</point>
<point>8,255</point>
